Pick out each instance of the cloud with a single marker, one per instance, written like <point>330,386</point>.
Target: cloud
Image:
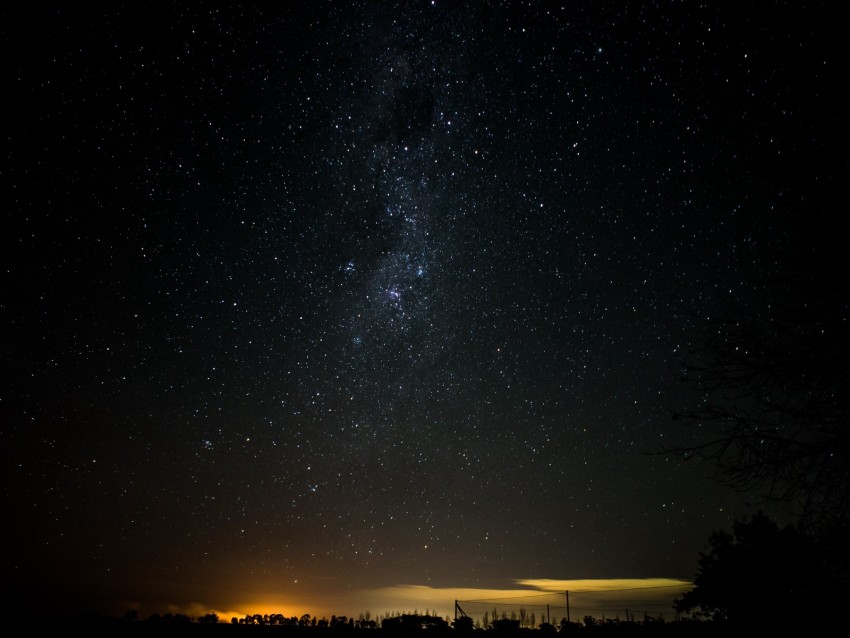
<point>602,584</point>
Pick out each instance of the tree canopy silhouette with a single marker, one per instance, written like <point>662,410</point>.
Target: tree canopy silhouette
<point>762,574</point>
<point>772,380</point>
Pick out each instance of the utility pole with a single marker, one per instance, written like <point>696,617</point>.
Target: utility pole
<point>458,608</point>
<point>567,592</point>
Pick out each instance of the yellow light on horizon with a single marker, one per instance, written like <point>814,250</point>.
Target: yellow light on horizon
<point>438,600</point>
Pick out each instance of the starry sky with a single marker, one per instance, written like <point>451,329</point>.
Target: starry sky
<point>310,305</point>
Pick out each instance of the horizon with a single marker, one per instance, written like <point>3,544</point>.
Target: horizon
<point>332,307</point>
<point>594,597</point>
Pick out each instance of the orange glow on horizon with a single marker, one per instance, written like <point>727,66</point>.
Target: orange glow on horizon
<point>438,600</point>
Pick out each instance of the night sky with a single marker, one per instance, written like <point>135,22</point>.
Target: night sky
<point>305,306</point>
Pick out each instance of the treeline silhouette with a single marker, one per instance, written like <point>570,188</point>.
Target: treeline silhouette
<point>401,626</point>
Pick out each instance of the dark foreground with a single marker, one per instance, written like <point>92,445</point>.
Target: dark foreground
<point>142,629</point>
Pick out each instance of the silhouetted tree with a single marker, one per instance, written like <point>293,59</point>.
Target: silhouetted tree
<point>209,618</point>
<point>506,625</point>
<point>778,388</point>
<point>773,379</point>
<point>759,573</point>
<point>407,624</point>
<point>463,623</point>
<point>568,626</point>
